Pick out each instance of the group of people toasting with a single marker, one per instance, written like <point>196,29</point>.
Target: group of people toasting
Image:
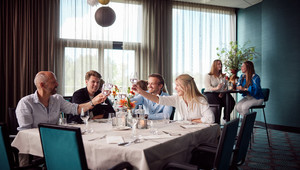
<point>45,106</point>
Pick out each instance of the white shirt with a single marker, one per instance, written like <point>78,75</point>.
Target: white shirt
<point>200,110</point>
<point>211,81</point>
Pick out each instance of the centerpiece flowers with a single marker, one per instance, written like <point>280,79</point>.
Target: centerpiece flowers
<point>234,56</point>
<point>127,103</point>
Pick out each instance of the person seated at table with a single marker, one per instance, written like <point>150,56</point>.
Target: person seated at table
<point>45,106</point>
<point>250,83</point>
<point>143,84</point>
<point>92,89</point>
<point>190,104</point>
<point>215,81</point>
<point>155,87</point>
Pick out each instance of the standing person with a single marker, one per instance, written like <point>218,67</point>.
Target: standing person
<point>215,81</point>
<point>250,83</point>
<point>155,87</point>
<point>190,104</point>
<point>92,89</point>
<point>45,106</point>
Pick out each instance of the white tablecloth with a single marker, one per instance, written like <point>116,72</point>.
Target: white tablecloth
<point>151,153</point>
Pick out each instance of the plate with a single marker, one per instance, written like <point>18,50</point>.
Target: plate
<point>122,128</point>
<point>101,120</point>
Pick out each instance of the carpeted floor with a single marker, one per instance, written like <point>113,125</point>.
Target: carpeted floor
<point>284,152</point>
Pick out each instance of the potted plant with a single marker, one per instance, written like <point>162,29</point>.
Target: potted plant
<point>234,56</point>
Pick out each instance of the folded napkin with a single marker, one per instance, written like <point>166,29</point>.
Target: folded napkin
<point>156,136</point>
<point>198,125</point>
<point>114,139</point>
<point>171,133</point>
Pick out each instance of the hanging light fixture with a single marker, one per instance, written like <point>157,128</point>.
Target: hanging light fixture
<point>104,16</point>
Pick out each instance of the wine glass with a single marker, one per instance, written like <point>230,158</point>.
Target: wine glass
<point>84,115</point>
<point>134,78</point>
<point>106,89</point>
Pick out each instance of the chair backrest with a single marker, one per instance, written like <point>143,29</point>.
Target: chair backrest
<point>6,159</point>
<point>266,93</point>
<point>62,147</point>
<point>226,143</point>
<point>13,122</point>
<point>202,90</point>
<point>68,98</point>
<point>216,109</point>
<point>244,137</point>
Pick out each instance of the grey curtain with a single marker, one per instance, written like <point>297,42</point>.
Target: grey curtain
<point>157,39</point>
<point>29,30</point>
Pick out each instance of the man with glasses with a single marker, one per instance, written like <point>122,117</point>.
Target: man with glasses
<point>153,110</point>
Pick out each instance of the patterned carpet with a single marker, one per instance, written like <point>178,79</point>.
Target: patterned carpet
<point>284,152</point>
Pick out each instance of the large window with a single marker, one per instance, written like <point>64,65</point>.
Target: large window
<point>197,32</point>
<point>112,51</point>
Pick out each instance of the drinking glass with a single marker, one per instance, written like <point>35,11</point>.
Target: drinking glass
<point>106,89</point>
<point>134,78</point>
<point>84,115</point>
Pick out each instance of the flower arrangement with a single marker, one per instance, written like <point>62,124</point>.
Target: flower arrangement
<point>115,90</point>
<point>127,103</point>
<point>234,56</point>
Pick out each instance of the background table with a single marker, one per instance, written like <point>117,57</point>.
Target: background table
<point>149,154</point>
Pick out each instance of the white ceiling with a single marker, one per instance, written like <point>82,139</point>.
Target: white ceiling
<point>226,3</point>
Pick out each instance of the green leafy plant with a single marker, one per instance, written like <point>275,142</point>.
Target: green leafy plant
<point>234,56</point>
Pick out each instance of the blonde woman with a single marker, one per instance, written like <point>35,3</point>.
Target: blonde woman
<point>214,82</point>
<point>190,104</point>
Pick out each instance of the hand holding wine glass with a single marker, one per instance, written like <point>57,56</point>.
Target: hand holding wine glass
<point>106,90</point>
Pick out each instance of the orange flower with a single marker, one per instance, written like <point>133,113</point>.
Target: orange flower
<point>127,103</point>
<point>132,92</point>
<point>114,93</point>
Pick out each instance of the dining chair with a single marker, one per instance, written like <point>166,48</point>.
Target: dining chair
<point>223,152</point>
<point>63,148</point>
<point>9,155</point>
<point>13,123</point>
<point>216,109</point>
<point>266,93</point>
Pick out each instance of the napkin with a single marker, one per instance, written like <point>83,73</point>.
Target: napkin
<point>198,125</point>
<point>172,133</point>
<point>157,136</point>
<point>114,139</point>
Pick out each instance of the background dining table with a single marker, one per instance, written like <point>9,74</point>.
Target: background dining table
<point>171,142</point>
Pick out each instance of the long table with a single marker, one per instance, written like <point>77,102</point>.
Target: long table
<point>152,152</point>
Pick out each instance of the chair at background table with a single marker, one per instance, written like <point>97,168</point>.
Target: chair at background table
<point>13,123</point>
<point>216,109</point>
<point>266,92</point>
<point>223,153</point>
<point>8,160</point>
<point>63,148</point>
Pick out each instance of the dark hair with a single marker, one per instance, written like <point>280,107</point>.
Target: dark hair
<point>92,73</point>
<point>143,84</point>
<point>159,77</point>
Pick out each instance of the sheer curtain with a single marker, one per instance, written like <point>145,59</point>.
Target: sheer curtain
<point>113,51</point>
<point>197,31</point>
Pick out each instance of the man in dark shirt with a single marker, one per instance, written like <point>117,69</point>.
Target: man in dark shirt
<point>93,82</point>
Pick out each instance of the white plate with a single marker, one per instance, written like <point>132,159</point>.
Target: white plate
<point>101,120</point>
<point>122,128</point>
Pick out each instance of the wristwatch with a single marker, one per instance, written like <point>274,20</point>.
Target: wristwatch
<point>92,103</point>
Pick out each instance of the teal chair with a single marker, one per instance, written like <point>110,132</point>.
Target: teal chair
<point>63,148</point>
<point>223,151</point>
<point>266,93</point>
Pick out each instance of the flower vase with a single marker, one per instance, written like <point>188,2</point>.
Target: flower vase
<point>233,78</point>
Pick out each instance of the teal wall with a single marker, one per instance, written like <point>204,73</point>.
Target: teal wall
<point>273,26</point>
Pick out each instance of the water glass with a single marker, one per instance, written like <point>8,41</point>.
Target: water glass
<point>153,129</point>
<point>62,121</point>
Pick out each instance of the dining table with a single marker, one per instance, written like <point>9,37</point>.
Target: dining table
<point>151,149</point>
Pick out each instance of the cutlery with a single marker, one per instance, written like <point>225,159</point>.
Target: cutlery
<point>97,138</point>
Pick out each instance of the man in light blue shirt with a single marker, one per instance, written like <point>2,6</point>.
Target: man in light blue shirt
<point>45,106</point>
<point>155,111</point>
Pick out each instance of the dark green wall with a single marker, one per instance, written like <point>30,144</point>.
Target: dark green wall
<point>273,26</point>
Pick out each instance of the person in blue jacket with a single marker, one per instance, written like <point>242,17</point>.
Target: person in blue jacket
<point>250,83</point>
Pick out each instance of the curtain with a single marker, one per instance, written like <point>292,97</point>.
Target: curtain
<point>27,46</point>
<point>157,39</point>
<point>197,32</point>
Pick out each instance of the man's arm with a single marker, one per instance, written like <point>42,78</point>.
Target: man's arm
<point>24,116</point>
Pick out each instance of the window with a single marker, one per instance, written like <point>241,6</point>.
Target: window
<point>197,32</point>
<point>87,46</point>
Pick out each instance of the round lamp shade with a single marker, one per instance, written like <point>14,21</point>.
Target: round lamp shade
<point>103,2</point>
<point>105,16</point>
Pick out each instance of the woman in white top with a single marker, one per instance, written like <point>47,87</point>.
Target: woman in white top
<point>190,104</point>
<point>215,81</point>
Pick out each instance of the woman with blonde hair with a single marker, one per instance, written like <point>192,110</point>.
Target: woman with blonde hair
<point>190,104</point>
<point>214,82</point>
<point>250,83</point>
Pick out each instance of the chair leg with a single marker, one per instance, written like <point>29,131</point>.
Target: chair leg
<point>266,127</point>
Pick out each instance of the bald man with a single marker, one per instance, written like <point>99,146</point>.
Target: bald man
<point>45,106</point>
